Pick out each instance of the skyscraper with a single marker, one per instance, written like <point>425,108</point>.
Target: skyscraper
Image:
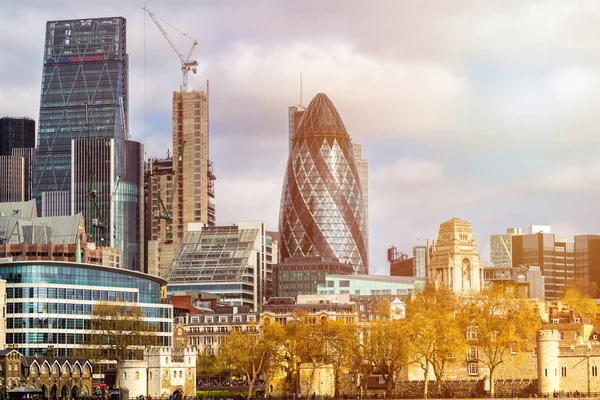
<point>363,175</point>
<point>322,205</point>
<point>12,179</point>
<point>107,188</point>
<point>16,133</point>
<point>193,199</point>
<point>85,77</point>
<point>501,248</point>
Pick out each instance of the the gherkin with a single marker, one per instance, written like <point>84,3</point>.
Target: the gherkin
<point>322,209</point>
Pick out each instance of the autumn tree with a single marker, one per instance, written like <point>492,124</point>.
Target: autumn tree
<point>341,341</point>
<point>117,331</point>
<point>209,365</point>
<point>387,348</point>
<point>434,326</point>
<point>250,352</point>
<point>580,302</point>
<point>498,320</point>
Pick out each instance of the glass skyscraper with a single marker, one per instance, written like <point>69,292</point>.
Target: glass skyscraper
<point>322,205</point>
<point>85,72</point>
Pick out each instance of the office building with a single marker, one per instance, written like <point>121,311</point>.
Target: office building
<point>295,114</point>
<point>363,175</point>
<point>555,258</point>
<point>12,179</point>
<point>234,261</point>
<point>500,248</point>
<point>16,133</point>
<point>50,303</point>
<point>302,275</point>
<point>107,187</point>
<point>527,279</point>
<point>402,265</point>
<point>158,218</point>
<point>322,211</point>
<point>194,199</point>
<point>85,93</point>
<point>587,260</point>
<point>28,155</point>
<point>371,285</point>
<point>455,262</point>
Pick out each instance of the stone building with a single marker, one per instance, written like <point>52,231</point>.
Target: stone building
<point>164,371</point>
<point>455,262</point>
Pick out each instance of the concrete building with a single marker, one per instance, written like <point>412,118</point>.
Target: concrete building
<point>455,261</point>
<point>158,219</point>
<point>528,279</point>
<point>163,372</point>
<point>84,93</point>
<point>302,275</point>
<point>500,248</point>
<point>193,199</point>
<point>233,261</point>
<point>16,133</point>
<point>12,176</point>
<point>370,285</point>
<point>555,258</point>
<point>403,265</point>
<point>587,259</point>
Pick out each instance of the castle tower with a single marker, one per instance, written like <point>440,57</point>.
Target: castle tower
<point>547,351</point>
<point>455,262</point>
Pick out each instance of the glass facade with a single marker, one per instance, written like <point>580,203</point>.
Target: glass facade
<point>370,285</point>
<point>114,214</point>
<point>85,70</point>
<point>52,303</point>
<point>322,206</point>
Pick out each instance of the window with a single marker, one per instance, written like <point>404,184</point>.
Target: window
<point>563,371</point>
<point>576,320</point>
<point>137,376</point>
<point>595,337</point>
<point>535,352</point>
<point>513,348</point>
<point>562,335</point>
<point>222,318</point>
<point>594,370</point>
<point>473,353</point>
<point>345,283</point>
<point>473,369</point>
<point>250,318</point>
<point>124,375</point>
<point>555,321</point>
<point>471,333</point>
<point>208,320</point>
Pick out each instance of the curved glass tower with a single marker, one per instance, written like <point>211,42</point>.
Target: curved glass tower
<point>322,208</point>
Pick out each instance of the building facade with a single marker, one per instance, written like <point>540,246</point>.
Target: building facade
<point>85,93</point>
<point>556,260</point>
<point>302,275</point>
<point>16,133</point>
<point>50,303</point>
<point>371,285</point>
<point>158,219</point>
<point>12,176</point>
<point>363,175</point>
<point>501,248</point>
<point>233,261</point>
<point>322,211</point>
<point>455,261</point>
<point>28,155</point>
<point>107,187</point>
<point>193,200</point>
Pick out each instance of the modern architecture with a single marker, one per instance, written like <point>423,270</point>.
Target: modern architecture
<point>28,155</point>
<point>322,210</point>
<point>527,279</point>
<point>12,179</point>
<point>234,261</point>
<point>107,187</point>
<point>16,133</point>
<point>500,248</point>
<point>555,258</point>
<point>587,260</point>
<point>50,303</point>
<point>85,92</point>
<point>302,275</point>
<point>158,218</point>
<point>371,285</point>
<point>363,175</point>
<point>193,197</point>
<point>455,262</point>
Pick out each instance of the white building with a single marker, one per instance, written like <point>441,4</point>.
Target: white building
<point>164,371</point>
<point>501,248</point>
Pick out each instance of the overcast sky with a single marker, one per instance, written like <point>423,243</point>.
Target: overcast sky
<point>485,111</point>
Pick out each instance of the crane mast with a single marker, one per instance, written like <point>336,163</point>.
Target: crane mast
<point>187,64</point>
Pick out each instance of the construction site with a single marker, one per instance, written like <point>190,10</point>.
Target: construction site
<point>179,189</point>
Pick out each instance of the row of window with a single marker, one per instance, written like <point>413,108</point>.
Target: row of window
<point>70,294</point>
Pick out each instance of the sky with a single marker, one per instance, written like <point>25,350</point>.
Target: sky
<point>485,111</point>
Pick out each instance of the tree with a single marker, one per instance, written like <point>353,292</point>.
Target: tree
<point>208,365</point>
<point>387,347</point>
<point>580,302</point>
<point>498,319</point>
<point>341,340</point>
<point>118,330</point>
<point>435,330</point>
<point>250,352</point>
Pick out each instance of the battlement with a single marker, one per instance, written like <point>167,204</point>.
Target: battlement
<point>548,335</point>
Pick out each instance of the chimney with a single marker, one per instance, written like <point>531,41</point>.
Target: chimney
<point>50,352</point>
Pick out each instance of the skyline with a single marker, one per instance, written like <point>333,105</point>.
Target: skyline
<point>481,112</point>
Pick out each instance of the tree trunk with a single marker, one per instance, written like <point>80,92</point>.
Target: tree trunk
<point>426,385</point>
<point>389,386</point>
<point>336,383</point>
<point>250,387</point>
<point>118,375</point>
<point>492,389</point>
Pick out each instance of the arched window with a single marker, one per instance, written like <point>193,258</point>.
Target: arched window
<point>124,375</point>
<point>166,360</point>
<point>9,366</point>
<point>137,376</point>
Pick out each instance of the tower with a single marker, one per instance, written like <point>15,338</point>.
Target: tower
<point>322,211</point>
<point>85,73</point>
<point>547,360</point>
<point>455,262</point>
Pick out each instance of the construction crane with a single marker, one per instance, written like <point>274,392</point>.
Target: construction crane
<point>186,63</point>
